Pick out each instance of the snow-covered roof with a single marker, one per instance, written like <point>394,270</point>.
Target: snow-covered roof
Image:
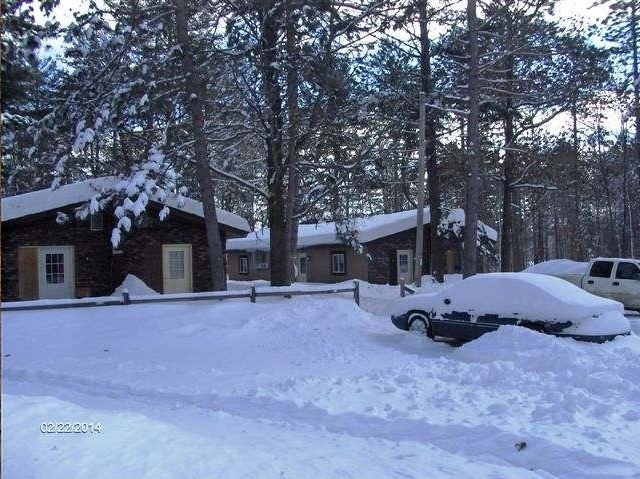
<point>46,200</point>
<point>368,229</point>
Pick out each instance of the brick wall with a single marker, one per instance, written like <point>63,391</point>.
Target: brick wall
<point>233,266</point>
<point>96,266</point>
<point>319,268</point>
<point>383,254</point>
<point>379,269</point>
<point>382,266</point>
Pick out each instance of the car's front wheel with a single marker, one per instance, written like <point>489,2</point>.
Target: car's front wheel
<point>419,321</point>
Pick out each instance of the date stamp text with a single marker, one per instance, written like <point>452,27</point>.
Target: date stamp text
<point>69,427</point>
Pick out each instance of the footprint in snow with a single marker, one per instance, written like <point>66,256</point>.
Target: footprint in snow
<point>520,445</point>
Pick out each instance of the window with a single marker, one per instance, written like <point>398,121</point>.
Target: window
<point>261,260</point>
<point>338,263</point>
<point>54,268</point>
<point>457,262</point>
<point>176,264</point>
<point>243,264</point>
<point>403,263</point>
<point>97,222</point>
<point>627,271</point>
<point>303,264</point>
<point>601,269</point>
<point>142,221</point>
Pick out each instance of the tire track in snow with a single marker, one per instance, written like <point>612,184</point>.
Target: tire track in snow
<point>486,443</point>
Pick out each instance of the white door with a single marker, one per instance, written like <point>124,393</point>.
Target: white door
<point>56,278</point>
<point>405,265</point>
<point>599,279</point>
<point>303,264</point>
<point>176,268</point>
<point>625,286</point>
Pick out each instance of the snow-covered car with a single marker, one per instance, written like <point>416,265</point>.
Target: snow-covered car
<point>484,302</point>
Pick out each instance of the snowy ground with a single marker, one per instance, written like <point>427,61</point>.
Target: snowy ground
<point>308,387</point>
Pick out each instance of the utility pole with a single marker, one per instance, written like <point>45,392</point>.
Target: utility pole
<point>417,271</point>
<point>631,238</point>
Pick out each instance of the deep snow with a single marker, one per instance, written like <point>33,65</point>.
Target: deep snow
<point>308,387</point>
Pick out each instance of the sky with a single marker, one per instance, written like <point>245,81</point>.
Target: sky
<point>567,10</point>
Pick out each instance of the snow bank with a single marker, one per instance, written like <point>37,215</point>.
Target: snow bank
<point>135,286</point>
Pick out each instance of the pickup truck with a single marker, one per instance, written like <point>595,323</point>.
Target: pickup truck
<point>615,278</point>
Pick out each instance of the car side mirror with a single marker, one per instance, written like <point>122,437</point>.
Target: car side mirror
<point>636,276</point>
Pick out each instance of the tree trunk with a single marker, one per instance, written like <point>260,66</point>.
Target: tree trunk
<point>575,241</point>
<point>420,185</point>
<point>556,231</point>
<point>433,181</point>
<point>196,91</point>
<point>635,77</point>
<point>506,246</point>
<point>470,260</point>
<point>539,232</point>
<point>292,154</point>
<point>612,244</point>
<point>624,236</point>
<point>276,204</point>
<point>518,228</point>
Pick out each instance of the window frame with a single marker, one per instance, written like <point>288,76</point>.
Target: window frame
<point>261,260</point>
<point>54,268</point>
<point>243,259</point>
<point>177,263</point>
<point>596,264</point>
<point>93,218</point>
<point>301,262</point>
<point>344,262</point>
<point>637,270</point>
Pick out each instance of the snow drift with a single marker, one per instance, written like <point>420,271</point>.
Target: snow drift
<point>135,286</point>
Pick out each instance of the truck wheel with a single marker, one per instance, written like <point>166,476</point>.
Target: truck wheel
<point>419,321</point>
